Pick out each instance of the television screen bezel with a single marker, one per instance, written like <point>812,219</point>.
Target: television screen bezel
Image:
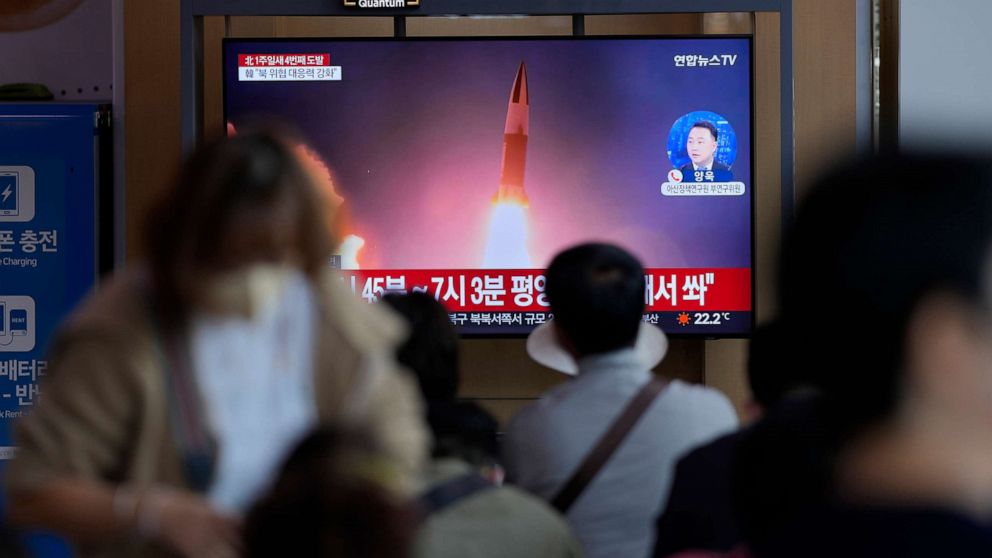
<point>487,38</point>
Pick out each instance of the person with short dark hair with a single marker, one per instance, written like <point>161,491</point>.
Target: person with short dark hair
<point>176,387</point>
<point>467,511</point>
<point>885,283</point>
<point>773,373</point>
<point>596,292</point>
<point>701,146</point>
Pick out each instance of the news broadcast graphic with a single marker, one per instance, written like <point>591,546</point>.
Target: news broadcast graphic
<point>460,167</point>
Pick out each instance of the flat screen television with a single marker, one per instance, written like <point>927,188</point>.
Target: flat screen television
<point>461,166</point>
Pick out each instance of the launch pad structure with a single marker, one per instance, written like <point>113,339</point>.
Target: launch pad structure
<point>192,13</point>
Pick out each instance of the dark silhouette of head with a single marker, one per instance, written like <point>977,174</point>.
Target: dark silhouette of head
<point>870,242</point>
<point>237,201</point>
<point>331,499</point>
<point>431,350</point>
<point>596,292</point>
<point>773,371</point>
<point>883,278</point>
<point>465,431</point>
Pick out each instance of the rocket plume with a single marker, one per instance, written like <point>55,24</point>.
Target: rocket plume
<point>339,224</point>
<point>506,244</point>
<point>349,249</point>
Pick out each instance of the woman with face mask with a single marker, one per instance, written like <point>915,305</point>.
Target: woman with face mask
<point>175,389</point>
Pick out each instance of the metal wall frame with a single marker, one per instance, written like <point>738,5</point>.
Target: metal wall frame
<point>193,11</point>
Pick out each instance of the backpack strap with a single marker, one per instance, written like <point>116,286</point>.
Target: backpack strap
<point>197,446</point>
<point>607,445</point>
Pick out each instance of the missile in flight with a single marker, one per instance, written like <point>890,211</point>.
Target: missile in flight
<point>511,173</point>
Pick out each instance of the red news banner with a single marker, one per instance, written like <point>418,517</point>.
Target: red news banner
<point>522,290</point>
<point>283,60</point>
<point>287,67</point>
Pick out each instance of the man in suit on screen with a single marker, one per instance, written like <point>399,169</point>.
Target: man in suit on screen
<point>701,145</point>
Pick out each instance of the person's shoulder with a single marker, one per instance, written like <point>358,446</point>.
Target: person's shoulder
<point>534,505</point>
<point>906,531</point>
<point>716,451</point>
<point>686,168</point>
<point>119,304</point>
<point>704,402</point>
<point>112,333</point>
<point>697,394</point>
<point>539,421</point>
<point>528,417</point>
<point>533,510</point>
<point>717,165</point>
<point>365,326</point>
<point>537,413</point>
<point>519,522</point>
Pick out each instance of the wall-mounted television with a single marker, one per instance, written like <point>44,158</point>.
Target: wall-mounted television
<point>460,166</point>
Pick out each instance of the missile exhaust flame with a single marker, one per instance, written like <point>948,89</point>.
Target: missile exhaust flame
<point>349,249</point>
<point>506,247</point>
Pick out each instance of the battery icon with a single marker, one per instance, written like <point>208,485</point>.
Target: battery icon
<point>18,321</point>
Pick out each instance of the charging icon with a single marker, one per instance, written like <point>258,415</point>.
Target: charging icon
<point>16,193</point>
<point>8,193</point>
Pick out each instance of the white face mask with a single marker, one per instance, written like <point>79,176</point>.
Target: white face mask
<point>247,290</point>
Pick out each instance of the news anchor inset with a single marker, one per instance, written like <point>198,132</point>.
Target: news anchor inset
<point>702,147</point>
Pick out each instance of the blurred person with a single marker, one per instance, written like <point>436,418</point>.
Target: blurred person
<point>431,349</point>
<point>699,514</point>
<point>339,220</point>
<point>467,512</point>
<point>176,387</point>
<point>336,496</point>
<point>11,544</point>
<point>602,447</point>
<point>885,283</point>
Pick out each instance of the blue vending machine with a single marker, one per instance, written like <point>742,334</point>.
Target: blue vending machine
<point>55,214</point>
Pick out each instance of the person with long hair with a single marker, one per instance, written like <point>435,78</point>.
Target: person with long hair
<point>176,388</point>
<point>467,511</point>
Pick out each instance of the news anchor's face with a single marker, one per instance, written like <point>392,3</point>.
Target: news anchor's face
<point>701,146</point>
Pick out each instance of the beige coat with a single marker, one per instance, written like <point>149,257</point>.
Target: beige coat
<point>104,416</point>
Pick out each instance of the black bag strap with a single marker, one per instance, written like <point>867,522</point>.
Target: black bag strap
<point>607,445</point>
<point>451,491</point>
<point>197,445</point>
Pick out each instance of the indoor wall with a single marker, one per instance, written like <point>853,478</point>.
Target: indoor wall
<point>497,372</point>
